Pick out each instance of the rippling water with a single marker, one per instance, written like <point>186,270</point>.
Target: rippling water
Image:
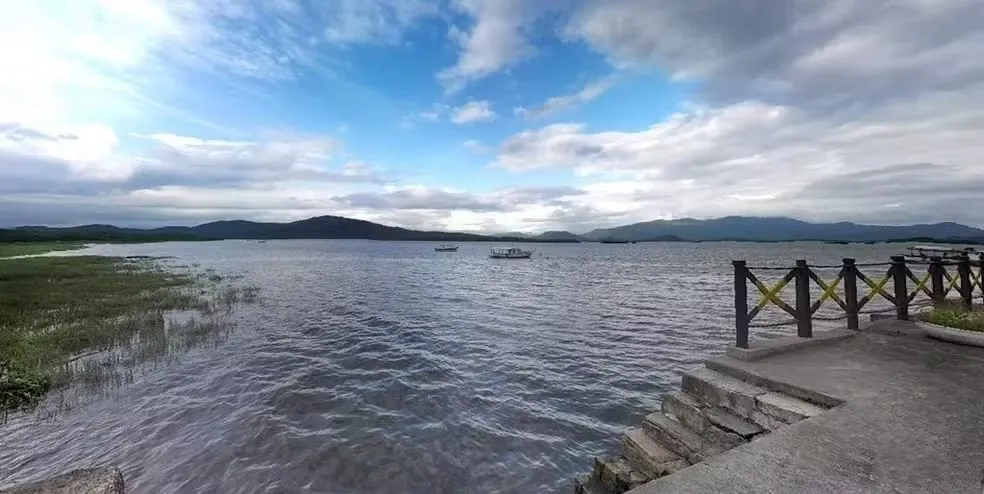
<point>378,367</point>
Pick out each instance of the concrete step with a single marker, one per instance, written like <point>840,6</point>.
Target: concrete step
<point>615,475</point>
<point>686,409</point>
<point>714,389</point>
<point>648,457</point>
<point>689,412</point>
<point>774,410</point>
<point>730,422</point>
<point>768,409</point>
<point>676,437</point>
<point>739,371</point>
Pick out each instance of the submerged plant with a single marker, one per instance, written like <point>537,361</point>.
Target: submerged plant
<point>91,322</point>
<point>19,389</point>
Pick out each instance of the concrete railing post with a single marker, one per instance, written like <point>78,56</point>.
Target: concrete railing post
<point>804,317</point>
<point>851,292</point>
<point>741,304</point>
<point>901,288</point>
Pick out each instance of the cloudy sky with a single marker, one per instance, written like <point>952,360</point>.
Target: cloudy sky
<point>490,115</point>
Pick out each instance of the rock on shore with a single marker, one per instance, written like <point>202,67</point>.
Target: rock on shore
<point>106,480</point>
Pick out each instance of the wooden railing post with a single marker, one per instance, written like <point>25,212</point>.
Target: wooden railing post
<point>741,304</point>
<point>851,292</point>
<point>804,319</point>
<point>966,289</point>
<point>901,288</point>
<point>980,274</point>
<point>936,275</point>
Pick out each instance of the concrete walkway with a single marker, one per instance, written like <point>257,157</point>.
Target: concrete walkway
<point>912,421</point>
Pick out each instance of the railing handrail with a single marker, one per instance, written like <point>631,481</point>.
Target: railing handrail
<point>937,283</point>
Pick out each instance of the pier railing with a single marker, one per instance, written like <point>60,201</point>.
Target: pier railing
<point>938,280</point>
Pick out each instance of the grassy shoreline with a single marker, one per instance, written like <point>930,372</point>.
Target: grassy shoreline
<point>16,249</point>
<point>56,312</point>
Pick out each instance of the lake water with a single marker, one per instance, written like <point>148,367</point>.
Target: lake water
<point>384,367</point>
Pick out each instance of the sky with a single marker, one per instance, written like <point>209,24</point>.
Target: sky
<point>490,115</point>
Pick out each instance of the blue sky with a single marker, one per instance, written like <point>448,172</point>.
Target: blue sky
<point>488,115</point>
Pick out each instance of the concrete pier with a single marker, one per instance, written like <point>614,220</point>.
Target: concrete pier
<point>884,410</point>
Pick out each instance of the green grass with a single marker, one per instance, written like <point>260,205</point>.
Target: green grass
<point>12,249</point>
<point>113,312</point>
<point>956,317</point>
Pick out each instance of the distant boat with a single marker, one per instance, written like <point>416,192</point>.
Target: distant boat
<point>924,252</point>
<point>446,248</point>
<point>615,241</point>
<point>261,241</point>
<point>511,253</point>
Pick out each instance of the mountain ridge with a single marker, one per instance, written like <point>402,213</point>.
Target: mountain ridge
<point>779,229</point>
<point>739,228</point>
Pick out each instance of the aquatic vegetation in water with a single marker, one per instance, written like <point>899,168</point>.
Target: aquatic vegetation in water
<point>89,322</point>
<point>19,389</point>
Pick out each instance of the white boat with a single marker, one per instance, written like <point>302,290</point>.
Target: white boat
<point>926,252</point>
<point>446,248</point>
<point>511,253</point>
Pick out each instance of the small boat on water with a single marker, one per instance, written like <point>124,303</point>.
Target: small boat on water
<point>511,253</point>
<point>926,252</point>
<point>446,248</point>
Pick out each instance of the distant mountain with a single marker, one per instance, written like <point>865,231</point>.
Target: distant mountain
<point>558,236</point>
<point>321,227</point>
<point>778,229</point>
<point>335,227</point>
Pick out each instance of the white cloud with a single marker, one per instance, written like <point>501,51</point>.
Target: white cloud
<point>87,152</point>
<point>475,146</point>
<point>371,21</point>
<point>432,115</point>
<point>496,40</point>
<point>826,54</point>
<point>471,112</point>
<point>711,162</point>
<point>682,141</point>
<point>557,103</point>
<point>181,160</point>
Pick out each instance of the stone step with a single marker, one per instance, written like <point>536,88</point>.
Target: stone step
<point>587,485</point>
<point>686,409</point>
<point>730,422</point>
<point>767,409</point>
<point>714,389</point>
<point>615,475</point>
<point>689,412</point>
<point>676,437</point>
<point>774,410</point>
<point>648,457</point>
<point>728,367</point>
